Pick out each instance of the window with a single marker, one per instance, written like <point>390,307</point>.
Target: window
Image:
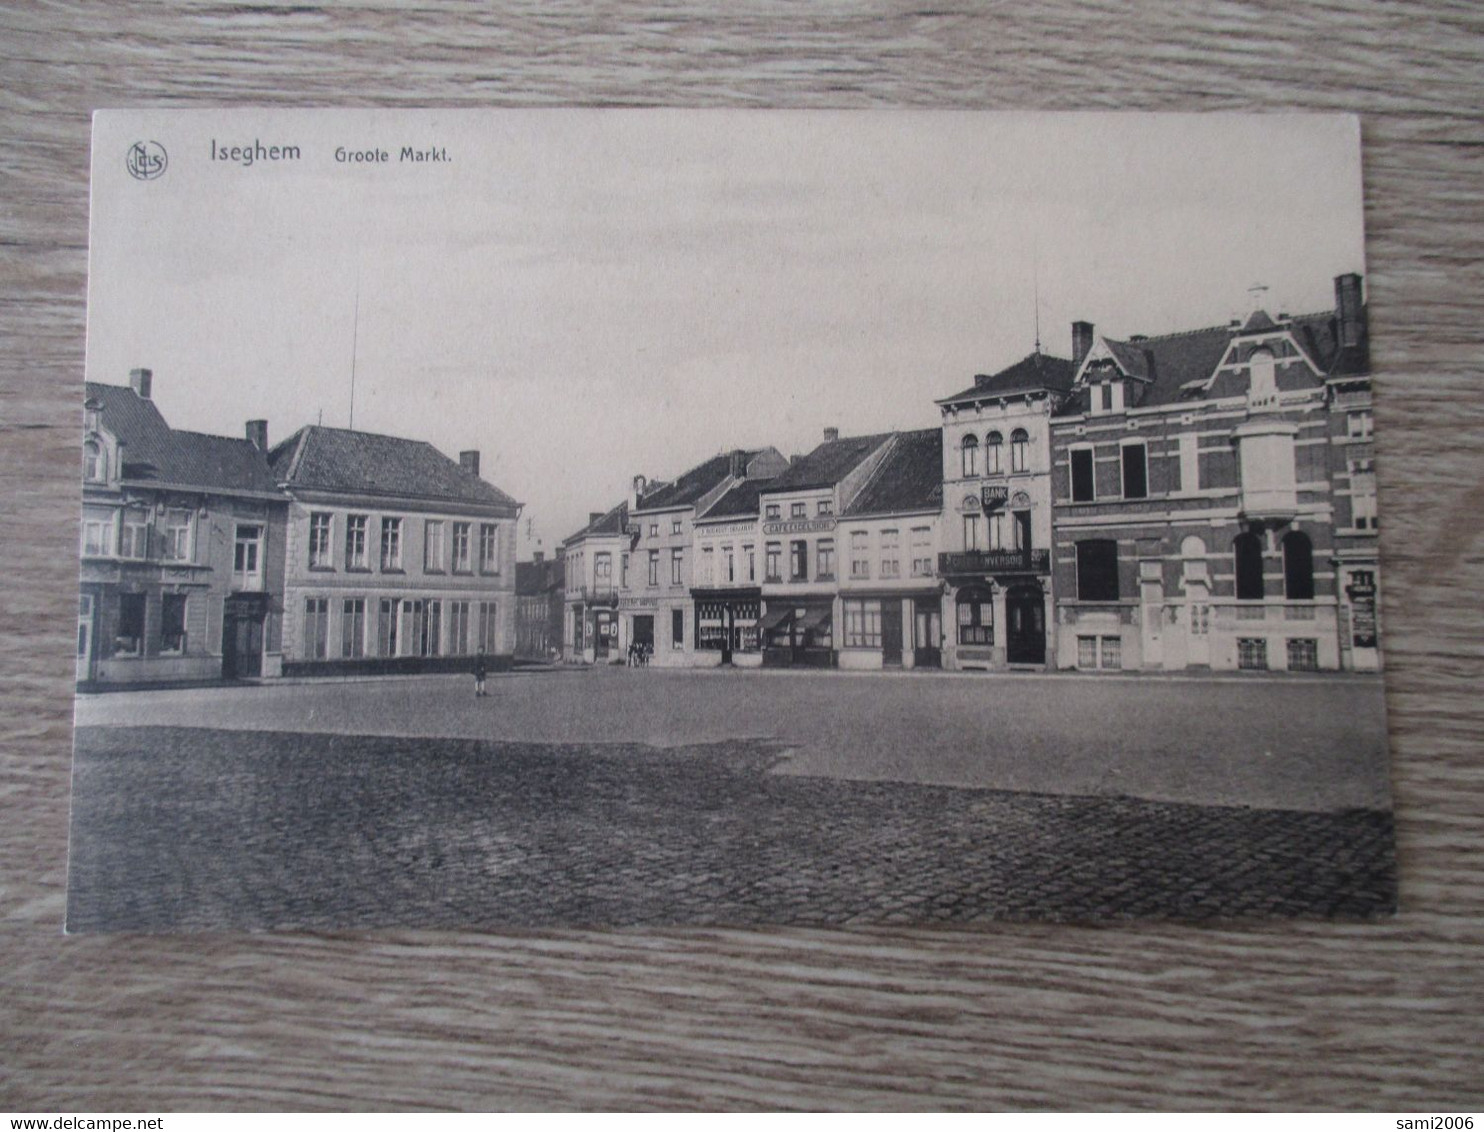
<point>675,525</point>
<point>386,627</point>
<point>677,628</point>
<point>128,639</point>
<point>1097,570</point>
<point>798,561</point>
<point>1135,471</point>
<point>353,628</point>
<point>1247,549</point>
<point>603,570</point>
<point>1362,495</point>
<point>1360,424</point>
<point>1107,396</point>
<point>973,532</point>
<point>319,541</point>
<point>458,628</point>
<point>391,543</point>
<point>826,507</point>
<point>774,563</point>
<point>677,556</point>
<point>97,536</point>
<point>134,537</point>
<point>797,510</point>
<point>1020,443</point>
<point>654,530</point>
<point>1099,652</point>
<point>1252,653</point>
<point>860,561</point>
<point>729,564</point>
<point>316,627</point>
<point>863,624</point>
<point>1303,654</point>
<point>247,557</point>
<point>1298,567</point>
<point>975,618</point>
<point>706,569</point>
<point>654,567</point>
<point>172,624</point>
<point>489,548</point>
<point>355,542</point>
<point>771,511</point>
<point>1022,524</point>
<point>891,562</point>
<point>825,557</point>
<point>487,626</point>
<point>750,558</point>
<point>178,540</point>
<point>93,465</point>
<point>922,552</point>
<point>462,560</point>
<point>1082,479</point>
<point>421,627</point>
<point>994,443</point>
<point>623,571</point>
<point>971,456</point>
<point>432,546</point>
<point>995,525</point>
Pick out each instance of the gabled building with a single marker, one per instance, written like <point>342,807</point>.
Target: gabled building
<point>800,546</point>
<point>1215,498</point>
<point>182,547</point>
<point>891,599</point>
<point>399,559</point>
<point>593,557</point>
<point>997,512</point>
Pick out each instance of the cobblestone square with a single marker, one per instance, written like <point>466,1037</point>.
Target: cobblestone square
<point>724,798</point>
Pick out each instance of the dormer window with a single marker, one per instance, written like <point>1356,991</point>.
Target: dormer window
<point>1263,385</point>
<point>1105,395</point>
<point>94,467</point>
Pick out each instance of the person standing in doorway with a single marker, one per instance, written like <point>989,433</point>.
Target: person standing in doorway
<point>481,667</point>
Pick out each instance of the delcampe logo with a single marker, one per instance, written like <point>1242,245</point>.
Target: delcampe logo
<point>146,160</point>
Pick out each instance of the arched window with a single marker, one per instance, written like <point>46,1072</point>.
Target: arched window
<point>992,445</point>
<point>1298,567</point>
<point>92,461</point>
<point>975,617</point>
<point>1192,546</point>
<point>1247,549</point>
<point>1020,441</point>
<point>971,455</point>
<point>1263,382</point>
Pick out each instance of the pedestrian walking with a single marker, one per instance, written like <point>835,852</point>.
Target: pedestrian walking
<point>481,667</point>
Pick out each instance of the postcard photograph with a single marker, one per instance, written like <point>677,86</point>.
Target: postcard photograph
<point>634,517</point>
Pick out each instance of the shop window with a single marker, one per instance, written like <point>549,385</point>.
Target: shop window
<point>993,444</point>
<point>316,627</point>
<point>1020,443</point>
<point>1082,478</point>
<point>1303,654</point>
<point>353,628</point>
<point>1252,653</point>
<point>863,624</point>
<point>1247,549</point>
<point>1097,570</point>
<point>172,624</point>
<point>1135,471</point>
<point>391,543</point>
<point>319,540</point>
<point>355,542</point>
<point>1298,567</point>
<point>970,456</point>
<point>975,618</point>
<point>128,639</point>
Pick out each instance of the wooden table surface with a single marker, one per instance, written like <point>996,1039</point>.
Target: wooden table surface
<point>1373,1016</point>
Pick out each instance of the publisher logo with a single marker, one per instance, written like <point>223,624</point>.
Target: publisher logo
<point>146,160</point>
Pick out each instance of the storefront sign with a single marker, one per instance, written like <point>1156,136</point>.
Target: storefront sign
<point>798,526</point>
<point>638,603</point>
<point>993,495</point>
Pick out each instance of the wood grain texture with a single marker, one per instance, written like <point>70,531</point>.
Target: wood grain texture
<point>1148,1015</point>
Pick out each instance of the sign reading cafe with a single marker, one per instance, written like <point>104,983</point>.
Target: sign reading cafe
<point>798,526</point>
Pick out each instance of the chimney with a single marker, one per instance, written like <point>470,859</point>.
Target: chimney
<point>637,491</point>
<point>1350,310</point>
<point>1081,342</point>
<point>257,432</point>
<point>469,461</point>
<point>831,435</point>
<point>737,464</point>
<point>538,556</point>
<point>139,381</point>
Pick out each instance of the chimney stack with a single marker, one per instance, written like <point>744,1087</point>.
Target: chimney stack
<point>139,381</point>
<point>1350,310</point>
<point>257,432</point>
<point>1081,342</point>
<point>469,461</point>
<point>737,465</point>
<point>636,492</point>
<point>831,435</point>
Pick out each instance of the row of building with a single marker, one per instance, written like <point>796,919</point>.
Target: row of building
<point>1197,500</point>
<point>334,551</point>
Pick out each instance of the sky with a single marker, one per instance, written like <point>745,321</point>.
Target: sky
<point>584,295</point>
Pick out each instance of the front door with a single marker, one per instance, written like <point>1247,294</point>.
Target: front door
<point>891,633</point>
<point>644,632</point>
<point>927,649</point>
<point>1025,641</point>
<point>242,646</point>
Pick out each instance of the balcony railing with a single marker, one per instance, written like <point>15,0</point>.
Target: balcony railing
<point>1035,561</point>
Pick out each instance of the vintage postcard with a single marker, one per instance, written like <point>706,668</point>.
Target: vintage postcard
<point>578,517</point>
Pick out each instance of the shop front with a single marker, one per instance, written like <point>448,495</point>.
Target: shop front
<point>798,633</point>
<point>998,608</point>
<point>727,626</point>
<point>891,629</point>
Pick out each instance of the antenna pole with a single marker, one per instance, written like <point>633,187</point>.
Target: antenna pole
<point>1036,288</point>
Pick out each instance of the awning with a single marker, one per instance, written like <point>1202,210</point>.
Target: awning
<point>774,618</point>
<point>814,618</point>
